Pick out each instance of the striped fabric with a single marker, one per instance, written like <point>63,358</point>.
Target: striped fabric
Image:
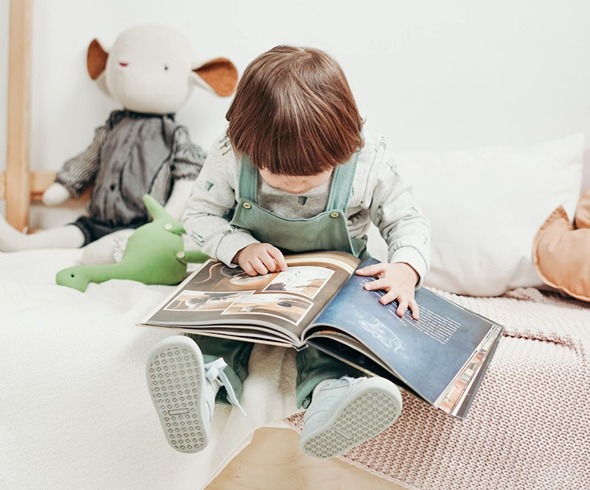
<point>131,155</point>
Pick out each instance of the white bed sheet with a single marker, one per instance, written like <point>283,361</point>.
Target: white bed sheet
<point>74,408</point>
<point>75,411</point>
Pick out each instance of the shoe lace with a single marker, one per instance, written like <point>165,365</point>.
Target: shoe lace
<point>349,380</point>
<point>214,373</point>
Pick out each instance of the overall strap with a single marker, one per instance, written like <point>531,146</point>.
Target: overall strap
<point>248,180</point>
<point>342,184</point>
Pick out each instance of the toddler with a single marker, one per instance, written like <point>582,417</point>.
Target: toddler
<point>297,170</point>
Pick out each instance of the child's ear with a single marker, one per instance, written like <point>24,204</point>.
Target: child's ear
<point>219,75</point>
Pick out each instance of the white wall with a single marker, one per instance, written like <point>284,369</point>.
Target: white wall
<point>434,74</point>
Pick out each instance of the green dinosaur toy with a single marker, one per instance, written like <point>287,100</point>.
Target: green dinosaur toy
<point>154,255</point>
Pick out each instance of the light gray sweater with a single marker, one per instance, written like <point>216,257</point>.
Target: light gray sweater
<point>379,195</point>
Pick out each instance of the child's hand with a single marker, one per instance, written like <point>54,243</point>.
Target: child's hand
<point>398,280</point>
<point>260,258</point>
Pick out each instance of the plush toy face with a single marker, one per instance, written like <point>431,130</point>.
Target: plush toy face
<point>149,68</point>
<point>152,69</point>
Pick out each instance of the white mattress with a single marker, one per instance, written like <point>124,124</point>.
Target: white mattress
<point>74,408</point>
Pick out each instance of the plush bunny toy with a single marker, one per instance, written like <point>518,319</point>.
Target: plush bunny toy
<point>150,71</point>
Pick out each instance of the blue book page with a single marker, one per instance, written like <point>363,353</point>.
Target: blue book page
<point>426,354</point>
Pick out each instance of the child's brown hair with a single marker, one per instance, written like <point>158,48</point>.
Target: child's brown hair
<point>294,113</point>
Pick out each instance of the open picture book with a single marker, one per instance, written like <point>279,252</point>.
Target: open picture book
<point>319,301</point>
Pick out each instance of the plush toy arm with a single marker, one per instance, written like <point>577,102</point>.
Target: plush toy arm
<point>79,172</point>
<point>177,201</point>
<point>108,249</point>
<point>193,256</point>
<point>188,157</point>
<point>55,194</point>
<point>187,164</point>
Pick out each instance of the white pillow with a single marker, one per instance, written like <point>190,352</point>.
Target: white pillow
<point>485,206</point>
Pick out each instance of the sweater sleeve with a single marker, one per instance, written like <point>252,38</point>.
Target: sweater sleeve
<point>397,215</point>
<point>213,198</point>
<point>79,172</point>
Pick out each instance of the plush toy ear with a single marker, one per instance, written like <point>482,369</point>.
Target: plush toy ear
<point>219,75</point>
<point>96,63</point>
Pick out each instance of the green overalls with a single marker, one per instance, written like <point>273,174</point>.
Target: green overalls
<point>326,231</point>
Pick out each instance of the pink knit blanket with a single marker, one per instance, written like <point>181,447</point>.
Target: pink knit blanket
<point>529,426</point>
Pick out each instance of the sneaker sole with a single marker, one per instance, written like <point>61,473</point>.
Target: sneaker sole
<point>175,378</point>
<point>368,412</point>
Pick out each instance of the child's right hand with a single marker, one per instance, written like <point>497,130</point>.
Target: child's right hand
<point>260,258</point>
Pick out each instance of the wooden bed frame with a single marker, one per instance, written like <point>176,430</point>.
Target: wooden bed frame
<point>19,185</point>
<point>274,450</point>
<point>16,182</point>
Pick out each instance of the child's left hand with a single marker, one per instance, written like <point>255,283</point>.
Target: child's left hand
<point>398,280</point>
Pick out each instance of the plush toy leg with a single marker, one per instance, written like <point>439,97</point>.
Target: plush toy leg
<point>176,203</point>
<point>192,256</point>
<point>108,249</point>
<point>12,240</point>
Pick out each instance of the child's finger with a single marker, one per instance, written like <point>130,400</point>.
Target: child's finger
<point>370,270</point>
<point>402,307</point>
<point>269,262</point>
<point>376,285</point>
<point>279,259</point>
<point>388,297</point>
<point>258,266</point>
<point>414,309</point>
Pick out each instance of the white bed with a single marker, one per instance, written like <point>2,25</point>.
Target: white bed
<point>75,411</point>
<point>74,407</point>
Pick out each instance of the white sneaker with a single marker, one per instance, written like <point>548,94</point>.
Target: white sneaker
<point>346,412</point>
<point>183,397</point>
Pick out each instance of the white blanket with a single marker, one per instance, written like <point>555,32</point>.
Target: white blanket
<point>74,407</point>
<point>75,411</point>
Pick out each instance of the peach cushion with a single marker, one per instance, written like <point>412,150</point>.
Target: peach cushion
<point>582,219</point>
<point>562,253</point>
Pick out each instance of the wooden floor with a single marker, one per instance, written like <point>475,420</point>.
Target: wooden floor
<point>274,460</point>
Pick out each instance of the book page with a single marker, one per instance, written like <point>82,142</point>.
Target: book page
<point>436,326</point>
<point>426,354</point>
<point>281,301</point>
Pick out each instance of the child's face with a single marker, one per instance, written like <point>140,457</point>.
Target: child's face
<point>295,184</point>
